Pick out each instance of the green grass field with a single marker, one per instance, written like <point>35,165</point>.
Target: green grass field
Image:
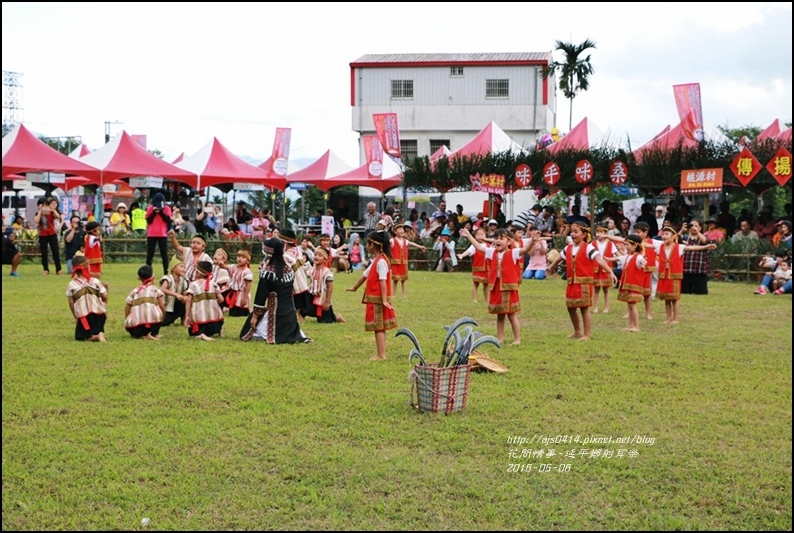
<point>229,435</point>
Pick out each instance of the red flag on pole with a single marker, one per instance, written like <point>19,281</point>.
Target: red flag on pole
<point>388,132</point>
<point>687,100</point>
<point>280,156</point>
<point>374,153</point>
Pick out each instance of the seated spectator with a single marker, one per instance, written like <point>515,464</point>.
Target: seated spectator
<point>356,253</point>
<point>783,237</point>
<point>447,260</point>
<point>260,225</point>
<point>770,265</point>
<point>231,230</point>
<point>120,220</point>
<point>746,236</point>
<point>11,254</point>
<point>247,227</point>
<point>782,278</point>
<point>765,225</point>
<point>713,233</point>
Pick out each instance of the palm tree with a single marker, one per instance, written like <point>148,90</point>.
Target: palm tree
<point>573,72</point>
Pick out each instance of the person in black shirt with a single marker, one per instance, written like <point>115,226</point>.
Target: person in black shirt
<point>73,239</point>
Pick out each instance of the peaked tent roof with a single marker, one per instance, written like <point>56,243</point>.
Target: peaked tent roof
<point>392,177</point>
<point>179,158</point>
<point>317,173</point>
<point>215,164</point>
<point>124,157</point>
<point>664,142</point>
<point>491,139</point>
<point>24,152</point>
<point>582,137</point>
<point>80,151</point>
<point>784,135</point>
<point>771,131</point>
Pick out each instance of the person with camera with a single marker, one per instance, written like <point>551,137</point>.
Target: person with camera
<point>73,240</point>
<point>46,219</point>
<point>158,218</point>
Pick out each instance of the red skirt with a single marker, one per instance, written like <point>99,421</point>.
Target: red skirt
<point>378,318</point>
<point>602,279</point>
<point>503,302</point>
<point>628,296</point>
<point>399,272</point>
<point>579,295</point>
<point>669,289</point>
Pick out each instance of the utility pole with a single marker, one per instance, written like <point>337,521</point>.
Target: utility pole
<point>107,129</point>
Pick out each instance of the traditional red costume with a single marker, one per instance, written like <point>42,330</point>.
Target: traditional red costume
<point>579,268</point>
<point>504,277</point>
<point>376,316</point>
<point>671,272</point>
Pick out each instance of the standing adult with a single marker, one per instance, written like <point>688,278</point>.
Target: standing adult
<point>649,218</point>
<point>158,218</point>
<point>696,262</point>
<point>137,219</point>
<point>46,218</point>
<point>73,240</point>
<point>273,318</point>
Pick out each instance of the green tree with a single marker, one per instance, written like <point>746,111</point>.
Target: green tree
<point>573,72</point>
<point>736,134</point>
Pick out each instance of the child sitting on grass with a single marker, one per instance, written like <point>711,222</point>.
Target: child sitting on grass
<point>145,307</point>
<point>87,298</point>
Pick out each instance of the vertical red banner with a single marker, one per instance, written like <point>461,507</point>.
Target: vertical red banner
<point>388,132</point>
<point>690,111</point>
<point>280,156</point>
<point>374,153</point>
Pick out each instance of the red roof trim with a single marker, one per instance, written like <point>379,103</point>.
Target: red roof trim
<point>420,64</point>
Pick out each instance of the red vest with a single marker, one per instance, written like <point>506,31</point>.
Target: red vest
<point>508,271</point>
<point>633,277</point>
<point>478,262</point>
<point>650,255</point>
<point>607,254</point>
<point>93,254</point>
<point>671,267</point>
<point>580,267</point>
<point>399,252</point>
<point>372,294</point>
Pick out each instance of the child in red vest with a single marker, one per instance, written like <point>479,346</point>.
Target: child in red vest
<point>93,248</point>
<point>633,279</point>
<point>601,279</point>
<point>379,313</point>
<point>399,255</point>
<point>580,260</point>
<point>479,266</point>
<point>503,276</point>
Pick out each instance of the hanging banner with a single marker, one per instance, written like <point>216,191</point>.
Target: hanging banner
<point>374,153</point>
<point>388,132</point>
<point>687,100</point>
<point>618,172</point>
<point>280,155</point>
<point>523,175</point>
<point>551,173</point>
<point>701,181</point>
<point>745,166</point>
<point>327,225</point>
<point>584,171</point>
<point>490,183</point>
<point>780,166</point>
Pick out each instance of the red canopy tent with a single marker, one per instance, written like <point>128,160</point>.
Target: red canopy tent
<point>491,139</point>
<point>317,173</point>
<point>24,152</point>
<point>581,137</point>
<point>772,131</point>
<point>665,141</point>
<point>391,177</point>
<point>124,157</point>
<point>215,164</point>
<point>785,135</point>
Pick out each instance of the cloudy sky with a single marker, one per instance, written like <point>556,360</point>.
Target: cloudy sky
<point>184,73</point>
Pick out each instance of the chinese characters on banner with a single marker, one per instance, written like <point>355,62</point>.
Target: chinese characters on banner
<point>280,156</point>
<point>701,181</point>
<point>523,175</point>
<point>490,183</point>
<point>745,166</point>
<point>388,132</point>
<point>687,100</point>
<point>780,166</point>
<point>374,153</point>
<point>584,171</point>
<point>618,172</point>
<point>551,173</point>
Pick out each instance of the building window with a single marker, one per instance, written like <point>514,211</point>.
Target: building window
<point>497,88</point>
<point>455,72</point>
<point>435,144</point>
<point>402,88</point>
<point>408,148</point>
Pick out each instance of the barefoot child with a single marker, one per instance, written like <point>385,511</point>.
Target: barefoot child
<point>601,279</point>
<point>379,313</point>
<point>651,279</point>
<point>503,276</point>
<point>239,295</point>
<point>671,270</point>
<point>399,256</point>
<point>632,279</point>
<point>220,274</point>
<point>203,305</point>
<point>145,307</point>
<point>174,287</point>
<point>580,260</point>
<point>479,266</point>
<point>87,298</point>
<point>93,249</point>
<point>322,289</point>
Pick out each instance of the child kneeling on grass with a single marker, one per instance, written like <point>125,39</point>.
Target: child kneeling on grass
<point>87,298</point>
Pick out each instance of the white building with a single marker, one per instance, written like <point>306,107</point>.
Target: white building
<point>445,99</point>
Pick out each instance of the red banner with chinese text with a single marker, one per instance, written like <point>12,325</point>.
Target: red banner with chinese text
<point>701,181</point>
<point>780,166</point>
<point>584,171</point>
<point>618,172</point>
<point>388,132</point>
<point>551,173</point>
<point>280,155</point>
<point>490,183</point>
<point>690,111</point>
<point>745,166</point>
<point>374,153</point>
